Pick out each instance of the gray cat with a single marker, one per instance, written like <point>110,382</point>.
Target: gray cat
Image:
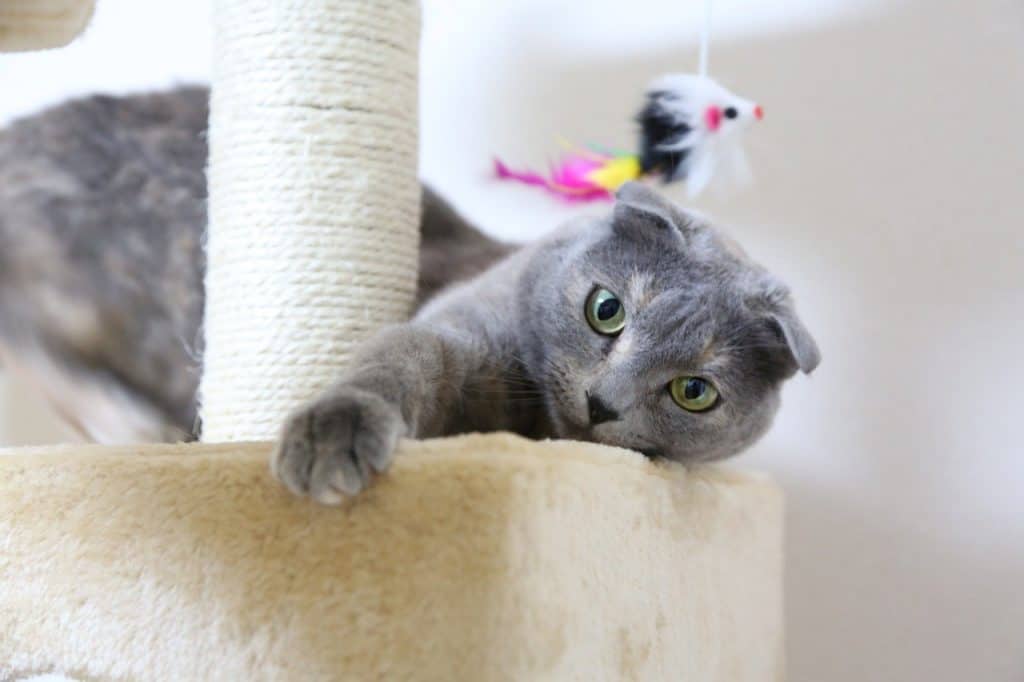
<point>645,329</point>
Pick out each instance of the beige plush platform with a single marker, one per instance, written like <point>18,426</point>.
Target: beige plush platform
<point>477,558</point>
<point>41,24</point>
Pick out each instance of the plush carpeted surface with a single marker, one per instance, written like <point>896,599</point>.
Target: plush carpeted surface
<point>41,24</point>
<point>482,557</point>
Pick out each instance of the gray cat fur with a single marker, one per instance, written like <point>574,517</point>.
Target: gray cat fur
<point>511,349</point>
<point>102,207</point>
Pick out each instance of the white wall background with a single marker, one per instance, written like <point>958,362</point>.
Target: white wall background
<point>890,167</point>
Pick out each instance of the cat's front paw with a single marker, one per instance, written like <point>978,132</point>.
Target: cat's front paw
<point>331,448</point>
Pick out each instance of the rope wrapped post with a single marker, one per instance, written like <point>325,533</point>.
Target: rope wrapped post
<point>314,199</point>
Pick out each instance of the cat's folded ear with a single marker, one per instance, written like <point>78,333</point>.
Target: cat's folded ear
<point>801,345</point>
<point>641,211</point>
<point>771,300</point>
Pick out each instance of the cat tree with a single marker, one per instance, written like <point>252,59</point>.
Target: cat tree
<point>483,557</point>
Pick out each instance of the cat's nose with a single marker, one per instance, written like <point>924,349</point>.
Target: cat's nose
<point>599,411</point>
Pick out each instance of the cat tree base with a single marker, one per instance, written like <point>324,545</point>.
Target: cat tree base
<point>476,558</point>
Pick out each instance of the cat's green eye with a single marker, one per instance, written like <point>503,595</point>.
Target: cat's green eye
<point>693,394</point>
<point>605,312</point>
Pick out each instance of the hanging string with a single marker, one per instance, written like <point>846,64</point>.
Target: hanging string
<point>705,39</point>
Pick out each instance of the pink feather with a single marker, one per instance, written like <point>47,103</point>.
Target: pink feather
<point>567,180</point>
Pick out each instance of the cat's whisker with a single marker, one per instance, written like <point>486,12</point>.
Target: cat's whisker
<point>752,346</point>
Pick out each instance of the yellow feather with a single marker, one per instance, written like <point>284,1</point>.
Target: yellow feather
<point>616,173</point>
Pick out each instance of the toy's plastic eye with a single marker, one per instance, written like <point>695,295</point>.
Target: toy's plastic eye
<point>693,394</point>
<point>730,112</point>
<point>605,312</point>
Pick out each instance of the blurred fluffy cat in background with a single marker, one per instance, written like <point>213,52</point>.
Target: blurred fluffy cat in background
<point>102,212</point>
<point>645,328</point>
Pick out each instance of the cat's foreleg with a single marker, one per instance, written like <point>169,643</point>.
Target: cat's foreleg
<point>405,382</point>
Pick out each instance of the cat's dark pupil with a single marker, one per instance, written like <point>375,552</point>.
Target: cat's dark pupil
<point>607,309</point>
<point>694,389</point>
<point>730,112</point>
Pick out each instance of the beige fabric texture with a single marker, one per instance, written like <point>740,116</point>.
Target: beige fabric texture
<point>313,240</point>
<point>41,24</point>
<point>481,557</point>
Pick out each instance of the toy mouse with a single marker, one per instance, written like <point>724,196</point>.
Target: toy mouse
<point>691,129</point>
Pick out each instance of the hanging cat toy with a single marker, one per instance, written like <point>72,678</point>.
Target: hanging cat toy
<point>691,129</point>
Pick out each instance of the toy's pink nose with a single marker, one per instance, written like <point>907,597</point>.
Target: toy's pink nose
<point>758,112</point>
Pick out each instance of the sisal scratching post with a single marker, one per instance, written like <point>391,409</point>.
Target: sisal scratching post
<point>314,199</point>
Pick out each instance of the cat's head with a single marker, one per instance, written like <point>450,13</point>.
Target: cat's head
<point>650,330</point>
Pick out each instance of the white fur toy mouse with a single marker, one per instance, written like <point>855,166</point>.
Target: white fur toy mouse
<point>691,129</point>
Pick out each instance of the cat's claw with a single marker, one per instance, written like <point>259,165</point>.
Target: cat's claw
<point>332,448</point>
